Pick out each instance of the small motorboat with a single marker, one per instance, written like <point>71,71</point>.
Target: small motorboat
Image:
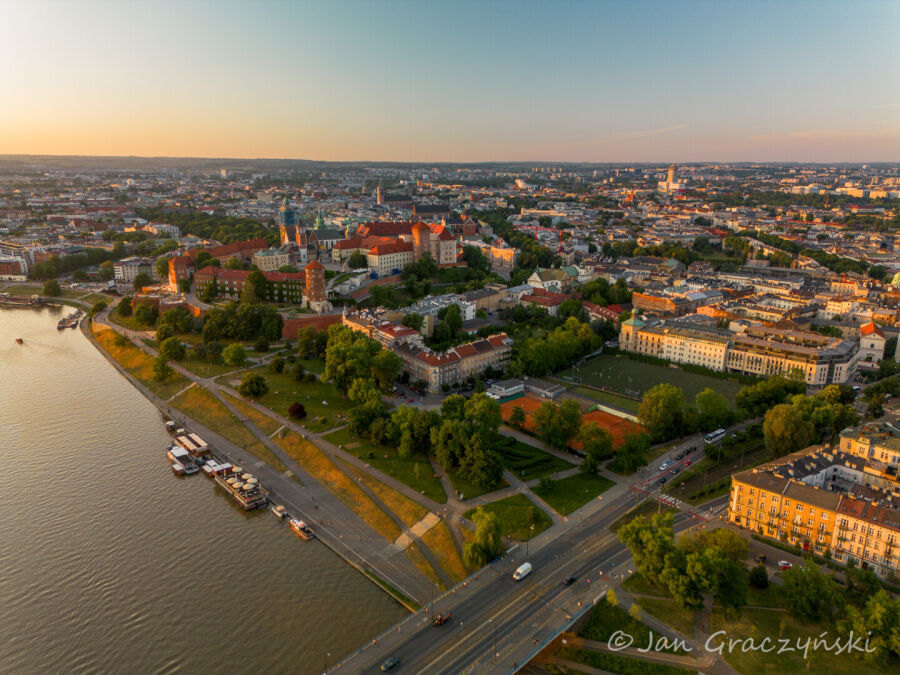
<point>302,529</point>
<point>19,341</point>
<point>279,511</point>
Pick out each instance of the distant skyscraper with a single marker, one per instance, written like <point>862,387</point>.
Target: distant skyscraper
<point>671,174</point>
<point>286,215</point>
<point>379,195</point>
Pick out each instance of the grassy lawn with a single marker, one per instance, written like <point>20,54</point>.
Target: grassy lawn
<point>527,461</point>
<point>402,506</point>
<point>336,481</point>
<point>316,366</point>
<point>759,623</point>
<point>637,584</point>
<point>204,407</point>
<point>469,490</point>
<point>38,289</point>
<point>325,407</point>
<point>93,298</point>
<point>440,542</point>
<point>514,514</point>
<point>605,620</point>
<point>415,471</point>
<point>647,508</point>
<point>616,663</point>
<point>128,321</point>
<point>138,363</point>
<point>205,368</point>
<point>265,423</point>
<point>634,378</point>
<point>667,611</point>
<point>421,562</point>
<point>615,400</point>
<point>573,492</point>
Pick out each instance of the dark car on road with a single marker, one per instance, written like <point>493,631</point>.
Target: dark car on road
<point>569,580</point>
<point>392,662</point>
<point>761,558</point>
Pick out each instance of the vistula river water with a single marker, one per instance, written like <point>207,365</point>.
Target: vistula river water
<point>110,563</point>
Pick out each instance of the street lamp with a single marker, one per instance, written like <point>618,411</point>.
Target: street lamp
<point>527,541</point>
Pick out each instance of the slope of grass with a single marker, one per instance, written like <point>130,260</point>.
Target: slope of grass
<point>440,542</point>
<point>265,423</point>
<point>421,562</point>
<point>137,362</point>
<point>415,471</point>
<point>403,507</point>
<point>204,407</point>
<point>336,481</point>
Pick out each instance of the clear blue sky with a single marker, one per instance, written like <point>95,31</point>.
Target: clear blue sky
<point>454,81</point>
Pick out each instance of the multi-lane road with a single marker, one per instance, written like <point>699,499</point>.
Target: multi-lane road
<point>498,624</point>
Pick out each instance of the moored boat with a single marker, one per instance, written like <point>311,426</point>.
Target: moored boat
<point>19,341</point>
<point>183,459</point>
<point>302,529</point>
<point>279,511</point>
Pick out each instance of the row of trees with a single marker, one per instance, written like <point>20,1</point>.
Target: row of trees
<point>805,420</point>
<point>665,415</point>
<point>56,265</point>
<point>556,349</point>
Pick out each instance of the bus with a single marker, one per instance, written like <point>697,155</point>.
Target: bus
<point>714,436</point>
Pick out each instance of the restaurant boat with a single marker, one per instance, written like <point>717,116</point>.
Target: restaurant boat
<point>302,529</point>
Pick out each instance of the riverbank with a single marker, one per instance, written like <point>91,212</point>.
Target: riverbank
<point>353,540</point>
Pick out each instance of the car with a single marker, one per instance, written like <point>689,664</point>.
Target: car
<point>410,400</point>
<point>665,465</point>
<point>687,462</point>
<point>662,480</point>
<point>681,454</point>
<point>761,558</point>
<point>784,565</point>
<point>569,580</point>
<point>392,662</point>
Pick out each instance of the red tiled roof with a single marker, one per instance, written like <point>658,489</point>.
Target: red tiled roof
<point>385,249</point>
<point>314,265</point>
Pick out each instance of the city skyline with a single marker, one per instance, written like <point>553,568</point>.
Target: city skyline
<point>575,82</point>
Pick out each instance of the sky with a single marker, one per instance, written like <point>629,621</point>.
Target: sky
<point>460,81</point>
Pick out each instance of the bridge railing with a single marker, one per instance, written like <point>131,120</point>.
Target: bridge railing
<point>450,591</point>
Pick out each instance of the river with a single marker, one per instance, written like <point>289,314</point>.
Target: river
<point>111,563</point>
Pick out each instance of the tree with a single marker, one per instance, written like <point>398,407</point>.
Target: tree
<point>596,443</point>
<point>612,598</point>
<point>261,344</point>
<point>713,409</point>
<point>556,425</point>
<point>662,411</point>
<point>162,371</point>
<point>808,593</point>
<point>631,455</point>
<point>234,355</point>
<point>141,280</point>
<point>97,307</point>
<point>162,266</point>
<point>732,545</point>
<point>146,314</point>
<point>759,577</point>
<point>487,543</point>
<point>171,349</point>
<point>786,430</point>
<point>255,288</point>
<point>51,288</point>
<point>385,368</point>
<point>106,272</point>
<point>276,365</point>
<point>234,264</point>
<point>253,385</point>
<point>357,260</point>
<point>297,411</point>
<point>650,540</point>
<point>413,320</point>
<point>453,407</point>
<point>875,406</point>
<point>517,417</point>
<point>879,620</point>
<point>299,372</point>
<point>483,412</point>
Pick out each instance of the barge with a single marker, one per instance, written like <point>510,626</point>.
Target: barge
<point>243,487</point>
<point>70,321</point>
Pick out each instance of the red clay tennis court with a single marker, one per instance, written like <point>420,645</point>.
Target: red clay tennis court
<point>617,426</point>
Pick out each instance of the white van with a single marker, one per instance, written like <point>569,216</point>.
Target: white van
<point>523,571</point>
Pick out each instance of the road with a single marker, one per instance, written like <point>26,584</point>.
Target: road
<point>498,624</point>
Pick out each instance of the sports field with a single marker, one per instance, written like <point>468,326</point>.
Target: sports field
<point>617,426</point>
<point>634,378</point>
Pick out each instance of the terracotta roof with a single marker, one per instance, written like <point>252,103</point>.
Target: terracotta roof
<point>870,329</point>
<point>314,265</point>
<point>385,249</point>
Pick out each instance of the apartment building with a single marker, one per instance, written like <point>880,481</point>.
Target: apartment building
<point>757,350</point>
<point>281,286</point>
<point>454,365</point>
